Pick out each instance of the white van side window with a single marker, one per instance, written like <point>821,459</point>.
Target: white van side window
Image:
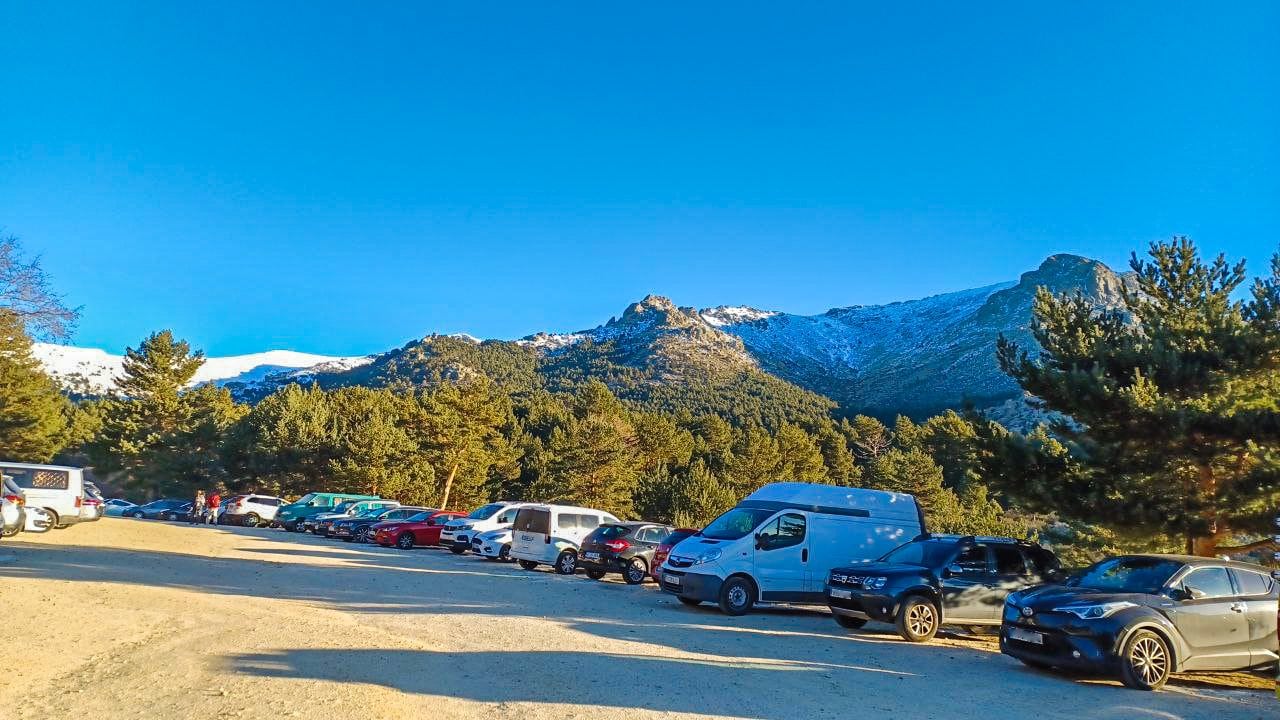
<point>784,531</point>
<point>40,479</point>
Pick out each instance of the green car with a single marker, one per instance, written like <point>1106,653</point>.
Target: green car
<point>290,516</point>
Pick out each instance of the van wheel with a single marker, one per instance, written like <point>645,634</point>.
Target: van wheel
<point>250,520</point>
<point>688,601</point>
<point>1146,661</point>
<point>405,541</point>
<point>567,563</point>
<point>528,564</point>
<point>595,574</point>
<point>737,596</point>
<point>636,572</point>
<point>917,619</point>
<point>849,623</point>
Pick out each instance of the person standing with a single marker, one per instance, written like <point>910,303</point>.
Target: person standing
<point>211,516</point>
<point>197,509</point>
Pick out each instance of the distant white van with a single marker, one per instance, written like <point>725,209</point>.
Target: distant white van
<point>458,534</point>
<point>552,534</point>
<point>58,489</point>
<point>779,543</point>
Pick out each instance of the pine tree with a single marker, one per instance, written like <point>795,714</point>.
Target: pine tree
<point>700,496</point>
<point>799,458</point>
<point>1175,397</point>
<point>460,429</point>
<point>34,415</point>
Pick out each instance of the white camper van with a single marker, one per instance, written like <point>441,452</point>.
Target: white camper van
<point>552,534</point>
<point>56,488</point>
<point>780,542</point>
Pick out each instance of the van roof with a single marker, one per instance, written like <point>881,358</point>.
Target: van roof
<point>38,466</point>
<point>837,500</point>
<point>562,508</point>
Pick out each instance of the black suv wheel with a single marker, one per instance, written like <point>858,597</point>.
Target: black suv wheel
<point>918,619</point>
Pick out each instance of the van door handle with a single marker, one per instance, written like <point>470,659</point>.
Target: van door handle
<point>804,555</point>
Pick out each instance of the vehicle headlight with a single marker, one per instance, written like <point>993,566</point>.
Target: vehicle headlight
<point>1095,611</point>
<point>708,556</point>
<point>874,583</point>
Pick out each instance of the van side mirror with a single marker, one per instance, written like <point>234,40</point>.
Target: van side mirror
<point>760,542</point>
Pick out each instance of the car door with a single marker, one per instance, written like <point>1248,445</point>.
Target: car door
<point>782,557</point>
<point>1211,619</point>
<point>1013,571</point>
<point>966,583</point>
<point>1257,592</point>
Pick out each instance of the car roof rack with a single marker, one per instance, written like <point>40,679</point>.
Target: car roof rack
<point>973,538</point>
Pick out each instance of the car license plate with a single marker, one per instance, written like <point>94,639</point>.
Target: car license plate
<point>591,555</point>
<point>1026,636</point>
<point>672,579</point>
<point>842,594</point>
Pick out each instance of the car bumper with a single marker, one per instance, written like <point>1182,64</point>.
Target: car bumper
<point>1090,653</point>
<point>862,605</point>
<point>694,586</point>
<point>607,562</point>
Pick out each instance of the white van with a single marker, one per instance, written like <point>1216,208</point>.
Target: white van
<point>551,535</point>
<point>457,534</point>
<point>779,543</point>
<point>56,488</point>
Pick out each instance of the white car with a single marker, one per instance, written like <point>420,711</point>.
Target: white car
<point>115,507</point>
<point>11,517</point>
<point>551,535</point>
<point>457,534</point>
<point>493,544</point>
<point>249,510</point>
<point>38,520</point>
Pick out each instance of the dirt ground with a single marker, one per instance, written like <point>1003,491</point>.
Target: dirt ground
<point>128,618</point>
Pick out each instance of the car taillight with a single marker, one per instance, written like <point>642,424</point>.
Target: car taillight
<point>79,501</point>
<point>15,499</point>
<point>617,545</point>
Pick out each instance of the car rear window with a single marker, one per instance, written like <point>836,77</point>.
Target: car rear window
<point>609,532</point>
<point>39,479</point>
<point>532,520</point>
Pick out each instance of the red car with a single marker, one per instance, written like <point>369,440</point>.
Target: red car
<point>421,529</point>
<point>664,549</point>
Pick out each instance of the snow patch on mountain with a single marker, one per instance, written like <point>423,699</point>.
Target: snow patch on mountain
<point>734,315</point>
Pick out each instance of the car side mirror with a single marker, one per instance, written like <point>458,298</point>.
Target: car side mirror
<point>953,570</point>
<point>1192,593</point>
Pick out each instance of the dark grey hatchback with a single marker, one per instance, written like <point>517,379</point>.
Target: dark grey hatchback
<point>625,547</point>
<point>1144,617</point>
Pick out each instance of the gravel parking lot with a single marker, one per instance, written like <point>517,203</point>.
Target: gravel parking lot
<point>127,618</point>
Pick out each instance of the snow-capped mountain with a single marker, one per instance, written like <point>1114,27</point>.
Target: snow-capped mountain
<point>93,371</point>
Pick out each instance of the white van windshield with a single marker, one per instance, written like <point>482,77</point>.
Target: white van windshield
<point>736,523</point>
<point>483,513</point>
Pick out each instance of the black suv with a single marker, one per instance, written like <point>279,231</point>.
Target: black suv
<point>938,580</point>
<point>1142,617</point>
<point>625,547</point>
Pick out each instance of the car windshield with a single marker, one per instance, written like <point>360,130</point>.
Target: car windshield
<point>305,499</point>
<point>482,513</point>
<point>344,507</point>
<point>736,523</point>
<point>925,553</point>
<point>1128,575</point>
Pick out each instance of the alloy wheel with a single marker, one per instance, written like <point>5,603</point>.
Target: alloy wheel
<point>1149,659</point>
<point>920,619</point>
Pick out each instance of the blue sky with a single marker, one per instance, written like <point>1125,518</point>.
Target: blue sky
<point>337,179</point>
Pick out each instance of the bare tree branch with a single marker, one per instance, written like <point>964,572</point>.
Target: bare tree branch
<point>25,289</point>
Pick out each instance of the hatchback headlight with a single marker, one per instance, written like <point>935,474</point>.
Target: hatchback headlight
<point>1095,611</point>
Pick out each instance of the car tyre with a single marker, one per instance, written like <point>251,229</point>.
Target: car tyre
<point>1146,662</point>
<point>405,541</point>
<point>595,574</point>
<point>504,555</point>
<point>137,516</point>
<point>849,623</point>
<point>691,602</point>
<point>737,596</point>
<point>251,520</point>
<point>457,550</point>
<point>528,564</point>
<point>636,571</point>
<point>567,563</point>
<point>917,619</point>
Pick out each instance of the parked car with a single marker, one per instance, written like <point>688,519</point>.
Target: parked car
<point>626,548</point>
<point>13,512</point>
<point>38,520</point>
<point>1144,617</point>
<point>457,534</point>
<point>162,509</point>
<point>293,515</point>
<point>249,510</point>
<point>493,544</point>
<point>417,531</point>
<point>938,580</point>
<point>551,535</point>
<point>91,508</point>
<point>664,549</point>
<point>356,528</point>
<point>779,544</point>
<point>322,523</point>
<point>56,488</point>
<point>115,507</point>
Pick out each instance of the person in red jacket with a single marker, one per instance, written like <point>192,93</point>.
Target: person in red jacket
<point>211,505</point>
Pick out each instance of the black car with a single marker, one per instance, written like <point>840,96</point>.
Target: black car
<point>938,580</point>
<point>163,509</point>
<point>625,548</point>
<point>1143,617</point>
<point>356,528</point>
